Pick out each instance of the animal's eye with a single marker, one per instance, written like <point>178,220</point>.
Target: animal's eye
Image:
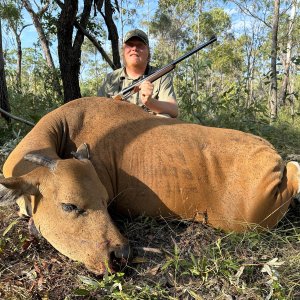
<point>67,207</point>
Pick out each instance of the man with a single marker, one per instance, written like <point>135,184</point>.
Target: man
<point>157,97</point>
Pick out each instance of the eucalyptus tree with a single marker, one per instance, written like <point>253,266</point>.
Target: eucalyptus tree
<point>11,12</point>
<point>44,41</point>
<point>201,79</point>
<point>271,14</point>
<point>273,101</point>
<point>286,56</point>
<point>71,30</point>
<point>4,104</point>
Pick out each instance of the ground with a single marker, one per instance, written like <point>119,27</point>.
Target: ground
<point>173,260</point>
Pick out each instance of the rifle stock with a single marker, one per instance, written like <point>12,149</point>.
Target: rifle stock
<point>132,89</point>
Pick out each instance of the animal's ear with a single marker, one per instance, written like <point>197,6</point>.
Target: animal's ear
<point>82,152</point>
<point>14,187</point>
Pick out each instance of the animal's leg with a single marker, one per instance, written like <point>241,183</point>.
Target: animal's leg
<point>285,191</point>
<point>293,174</point>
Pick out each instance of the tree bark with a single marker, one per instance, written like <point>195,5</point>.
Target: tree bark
<point>287,60</point>
<point>273,101</point>
<point>4,104</point>
<point>96,44</point>
<point>69,52</point>
<point>44,41</point>
<point>19,61</point>
<point>112,29</point>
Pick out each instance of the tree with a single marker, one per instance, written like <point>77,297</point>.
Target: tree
<point>113,36</point>
<point>11,12</point>
<point>286,61</point>
<point>69,49</point>
<point>69,43</point>
<point>273,101</point>
<point>4,104</point>
<point>36,18</point>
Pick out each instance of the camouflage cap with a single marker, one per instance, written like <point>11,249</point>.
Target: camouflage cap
<point>136,33</point>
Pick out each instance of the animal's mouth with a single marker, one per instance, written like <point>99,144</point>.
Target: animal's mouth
<point>117,261</point>
<point>120,257</point>
<point>117,264</point>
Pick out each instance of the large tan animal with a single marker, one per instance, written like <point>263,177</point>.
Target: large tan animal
<point>140,164</point>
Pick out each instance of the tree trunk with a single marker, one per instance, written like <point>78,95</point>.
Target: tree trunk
<point>19,61</point>
<point>112,29</point>
<point>287,60</point>
<point>69,52</point>
<point>44,42</point>
<point>273,93</point>
<point>4,104</point>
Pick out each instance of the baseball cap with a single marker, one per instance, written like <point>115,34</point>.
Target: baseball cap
<point>136,33</point>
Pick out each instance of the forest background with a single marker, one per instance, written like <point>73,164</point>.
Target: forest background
<point>53,51</point>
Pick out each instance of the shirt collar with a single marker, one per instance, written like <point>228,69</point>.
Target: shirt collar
<point>123,74</point>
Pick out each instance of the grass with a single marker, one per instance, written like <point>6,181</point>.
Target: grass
<point>183,260</point>
<point>174,259</point>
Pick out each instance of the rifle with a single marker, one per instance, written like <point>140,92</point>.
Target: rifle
<point>127,92</point>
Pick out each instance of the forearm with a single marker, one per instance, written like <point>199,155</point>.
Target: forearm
<point>169,107</point>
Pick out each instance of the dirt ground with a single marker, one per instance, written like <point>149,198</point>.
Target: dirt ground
<point>31,268</point>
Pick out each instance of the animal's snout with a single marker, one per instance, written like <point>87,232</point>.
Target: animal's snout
<point>123,252</point>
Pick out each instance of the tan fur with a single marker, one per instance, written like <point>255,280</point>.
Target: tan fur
<point>148,165</point>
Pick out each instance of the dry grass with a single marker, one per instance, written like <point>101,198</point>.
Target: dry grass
<point>182,260</point>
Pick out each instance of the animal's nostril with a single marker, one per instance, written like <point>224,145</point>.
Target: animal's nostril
<point>123,252</point>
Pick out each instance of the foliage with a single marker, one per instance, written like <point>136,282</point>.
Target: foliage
<point>10,11</point>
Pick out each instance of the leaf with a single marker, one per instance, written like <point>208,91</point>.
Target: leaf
<point>274,262</point>
<point>81,292</point>
<point>89,281</point>
<point>195,296</point>
<point>239,272</point>
<point>153,271</point>
<point>9,227</point>
<point>139,260</point>
<point>266,269</point>
<point>26,244</point>
<point>117,285</point>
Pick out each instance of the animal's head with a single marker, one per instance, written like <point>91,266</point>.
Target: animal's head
<point>69,208</point>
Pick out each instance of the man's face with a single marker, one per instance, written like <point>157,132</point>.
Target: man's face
<point>136,53</point>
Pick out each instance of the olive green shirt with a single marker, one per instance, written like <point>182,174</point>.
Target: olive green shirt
<point>118,80</point>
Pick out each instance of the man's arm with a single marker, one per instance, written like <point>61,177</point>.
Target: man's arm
<point>161,106</point>
<point>166,102</point>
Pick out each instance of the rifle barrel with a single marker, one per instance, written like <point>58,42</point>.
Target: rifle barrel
<point>186,55</point>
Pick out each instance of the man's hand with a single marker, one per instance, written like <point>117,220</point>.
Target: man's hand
<point>146,91</point>
<point>160,106</point>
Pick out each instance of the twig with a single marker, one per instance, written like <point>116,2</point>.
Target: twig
<point>16,118</point>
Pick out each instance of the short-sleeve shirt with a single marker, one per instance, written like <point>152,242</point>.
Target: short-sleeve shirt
<point>118,80</point>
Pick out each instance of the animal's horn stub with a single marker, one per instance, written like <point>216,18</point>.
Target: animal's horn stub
<point>41,160</point>
<point>82,152</point>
